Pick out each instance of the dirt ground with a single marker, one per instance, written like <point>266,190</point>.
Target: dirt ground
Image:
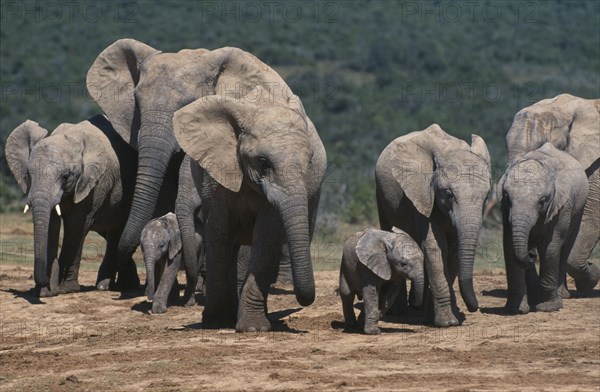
<point>99,340</point>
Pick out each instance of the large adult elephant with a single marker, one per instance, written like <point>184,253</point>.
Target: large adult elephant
<point>83,172</point>
<point>571,124</point>
<point>140,88</point>
<point>433,186</point>
<point>544,194</point>
<point>259,168</point>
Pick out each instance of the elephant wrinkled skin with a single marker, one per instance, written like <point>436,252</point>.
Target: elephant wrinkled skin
<point>433,186</point>
<point>88,172</point>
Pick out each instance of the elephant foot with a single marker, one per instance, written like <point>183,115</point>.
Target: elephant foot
<point>217,320</point>
<point>565,292</point>
<point>45,292</point>
<point>70,286</point>
<point>254,323</point>
<point>514,306</point>
<point>104,284</point>
<point>191,301</point>
<point>550,306</point>
<point>445,318</point>
<point>350,326</point>
<point>128,280</point>
<point>585,284</point>
<point>158,307</point>
<point>372,329</point>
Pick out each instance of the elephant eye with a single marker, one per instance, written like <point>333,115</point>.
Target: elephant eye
<point>65,177</point>
<point>543,200</point>
<point>264,163</point>
<point>449,194</point>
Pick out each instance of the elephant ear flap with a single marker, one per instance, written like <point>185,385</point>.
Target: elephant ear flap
<point>207,131</point>
<point>175,235</point>
<point>18,147</point>
<point>584,133</point>
<point>413,166</point>
<point>97,155</point>
<point>111,82</point>
<point>371,253</point>
<point>479,148</point>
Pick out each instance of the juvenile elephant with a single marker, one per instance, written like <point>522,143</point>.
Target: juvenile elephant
<point>140,88</point>
<point>373,262</point>
<point>544,193</point>
<point>259,168</point>
<point>83,172</point>
<point>433,186</point>
<point>571,124</point>
<point>161,246</point>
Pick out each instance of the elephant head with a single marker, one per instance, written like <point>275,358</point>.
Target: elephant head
<point>392,254</point>
<point>140,88</point>
<point>62,168</point>
<point>570,123</point>
<point>160,241</point>
<point>262,145</point>
<point>436,170</point>
<point>536,187</point>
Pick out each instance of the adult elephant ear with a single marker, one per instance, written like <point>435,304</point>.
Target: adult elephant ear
<point>371,253</point>
<point>18,147</point>
<point>111,82</point>
<point>584,132</point>
<point>207,130</point>
<point>413,165</point>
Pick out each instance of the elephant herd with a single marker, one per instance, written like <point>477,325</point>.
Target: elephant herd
<point>218,137</point>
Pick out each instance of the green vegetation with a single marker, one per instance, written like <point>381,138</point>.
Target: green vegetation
<point>367,71</point>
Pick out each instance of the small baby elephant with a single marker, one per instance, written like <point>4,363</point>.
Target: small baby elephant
<point>161,247</point>
<point>373,264</point>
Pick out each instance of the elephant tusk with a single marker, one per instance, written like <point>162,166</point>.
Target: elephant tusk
<point>57,208</point>
<point>26,209</point>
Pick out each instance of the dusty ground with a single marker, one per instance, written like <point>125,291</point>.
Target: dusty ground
<point>98,340</point>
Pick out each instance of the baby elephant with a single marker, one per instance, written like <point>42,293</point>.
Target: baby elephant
<point>161,247</point>
<point>373,264</point>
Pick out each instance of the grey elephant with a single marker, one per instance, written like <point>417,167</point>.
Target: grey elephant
<point>140,88</point>
<point>83,173</point>
<point>544,194</point>
<point>433,186</point>
<point>161,247</point>
<point>260,166</point>
<point>373,263</point>
<point>571,124</point>
<point>187,210</point>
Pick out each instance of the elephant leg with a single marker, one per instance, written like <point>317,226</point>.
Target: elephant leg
<point>550,276</point>
<point>585,273</point>
<point>516,301</point>
<point>165,284</point>
<point>221,299</point>
<point>435,253</point>
<point>243,264</point>
<point>347,297</point>
<point>400,305</point>
<point>267,238</point>
<point>284,272</point>
<point>70,256</point>
<point>108,268</point>
<point>370,296</point>
<point>52,267</point>
<point>389,293</point>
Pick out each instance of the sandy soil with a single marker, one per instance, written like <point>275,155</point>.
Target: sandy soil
<point>99,340</point>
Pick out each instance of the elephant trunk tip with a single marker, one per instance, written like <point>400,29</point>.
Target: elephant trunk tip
<point>305,298</point>
<point>41,278</point>
<point>468,294</point>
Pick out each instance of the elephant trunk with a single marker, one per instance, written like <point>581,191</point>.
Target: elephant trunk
<point>294,214</point>
<point>521,229</point>
<point>418,289</point>
<point>185,211</point>
<point>42,209</point>
<point>155,152</point>
<point>150,261</point>
<point>468,236</point>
